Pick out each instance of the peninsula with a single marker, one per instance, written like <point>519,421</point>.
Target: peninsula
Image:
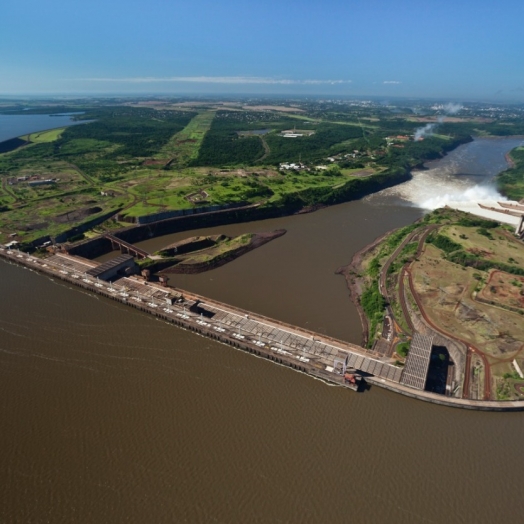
<point>444,297</point>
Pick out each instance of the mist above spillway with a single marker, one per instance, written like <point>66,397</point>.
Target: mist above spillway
<point>430,128</point>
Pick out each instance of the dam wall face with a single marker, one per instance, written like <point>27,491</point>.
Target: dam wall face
<point>98,246</point>
<point>84,226</point>
<point>92,248</point>
<point>189,222</point>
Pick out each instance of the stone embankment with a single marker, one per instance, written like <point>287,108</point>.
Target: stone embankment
<point>450,402</point>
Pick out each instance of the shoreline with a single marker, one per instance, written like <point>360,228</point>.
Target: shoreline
<point>351,271</point>
<point>353,281</point>
<point>509,160</point>
<point>28,142</point>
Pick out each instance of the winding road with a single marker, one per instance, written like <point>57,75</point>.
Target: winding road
<point>405,271</point>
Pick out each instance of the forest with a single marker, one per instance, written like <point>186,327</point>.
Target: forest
<point>511,182</point>
<point>137,132</point>
<point>223,146</point>
<point>311,148</point>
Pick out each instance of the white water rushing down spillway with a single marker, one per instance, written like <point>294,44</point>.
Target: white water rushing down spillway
<point>461,180</point>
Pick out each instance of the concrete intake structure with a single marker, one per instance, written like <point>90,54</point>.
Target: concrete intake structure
<point>520,227</point>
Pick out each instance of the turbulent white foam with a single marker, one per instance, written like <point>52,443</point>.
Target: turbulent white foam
<point>434,189</point>
<point>454,196</point>
<point>462,180</point>
<point>469,200</point>
<point>426,185</point>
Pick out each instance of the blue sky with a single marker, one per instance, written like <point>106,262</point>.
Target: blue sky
<point>459,49</point>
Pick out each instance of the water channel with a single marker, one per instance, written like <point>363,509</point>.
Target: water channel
<point>111,416</point>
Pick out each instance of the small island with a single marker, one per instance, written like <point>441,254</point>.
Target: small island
<point>199,254</point>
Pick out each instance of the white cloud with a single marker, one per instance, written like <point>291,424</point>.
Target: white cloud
<point>215,80</point>
<point>391,82</point>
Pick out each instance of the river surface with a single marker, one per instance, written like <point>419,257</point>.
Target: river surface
<point>12,126</point>
<point>111,416</point>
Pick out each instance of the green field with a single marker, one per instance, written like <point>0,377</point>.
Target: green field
<point>145,160</point>
<point>44,136</point>
<point>185,145</point>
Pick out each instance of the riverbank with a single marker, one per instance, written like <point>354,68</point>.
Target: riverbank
<point>264,195</point>
<point>355,283</point>
<point>509,160</point>
<point>511,181</point>
<point>426,279</point>
<point>296,204</point>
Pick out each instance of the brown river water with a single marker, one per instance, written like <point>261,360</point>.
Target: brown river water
<point>109,415</point>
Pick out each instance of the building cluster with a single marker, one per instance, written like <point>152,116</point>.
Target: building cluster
<point>299,166</point>
<point>398,139</point>
<point>32,181</point>
<point>348,156</point>
<point>285,166</point>
<point>296,133</point>
<point>302,167</point>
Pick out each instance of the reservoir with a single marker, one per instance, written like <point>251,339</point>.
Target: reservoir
<point>111,416</point>
<point>12,126</point>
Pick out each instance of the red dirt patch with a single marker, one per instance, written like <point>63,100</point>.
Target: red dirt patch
<point>153,162</point>
<point>504,289</point>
